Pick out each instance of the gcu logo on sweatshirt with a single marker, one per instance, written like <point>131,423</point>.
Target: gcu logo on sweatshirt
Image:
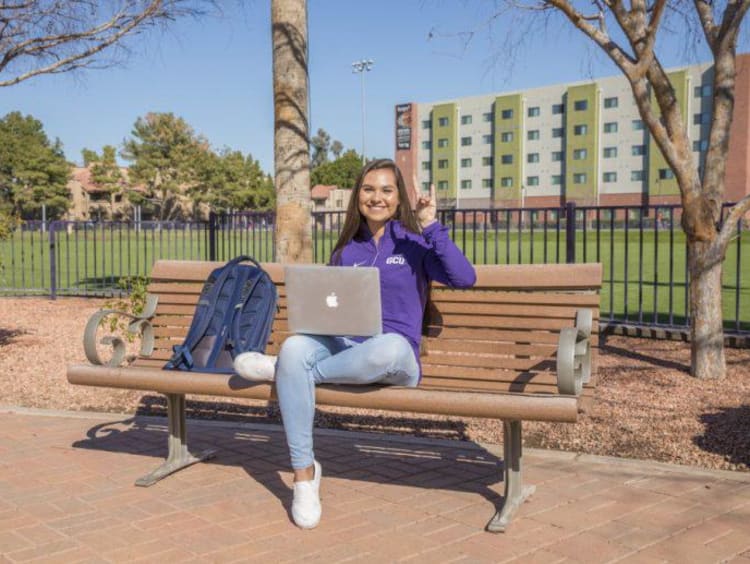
<point>395,259</point>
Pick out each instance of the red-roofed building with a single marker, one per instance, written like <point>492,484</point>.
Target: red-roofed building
<point>330,198</point>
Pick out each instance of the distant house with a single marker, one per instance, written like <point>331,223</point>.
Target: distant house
<point>90,202</point>
<point>330,198</point>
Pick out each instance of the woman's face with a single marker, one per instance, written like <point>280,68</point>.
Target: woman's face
<point>378,196</point>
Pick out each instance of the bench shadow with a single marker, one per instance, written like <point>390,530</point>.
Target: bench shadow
<point>725,433</point>
<point>7,336</point>
<point>627,353</point>
<point>263,455</point>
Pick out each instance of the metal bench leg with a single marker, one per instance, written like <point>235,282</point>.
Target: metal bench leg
<point>515,492</point>
<point>179,456</point>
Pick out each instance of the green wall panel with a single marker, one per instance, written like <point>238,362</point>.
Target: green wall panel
<point>656,161</point>
<point>587,94</point>
<point>448,132</point>
<point>509,127</point>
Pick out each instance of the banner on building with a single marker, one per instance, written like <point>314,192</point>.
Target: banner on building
<point>403,126</point>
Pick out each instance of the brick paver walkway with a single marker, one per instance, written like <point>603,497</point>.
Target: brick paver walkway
<point>67,495</point>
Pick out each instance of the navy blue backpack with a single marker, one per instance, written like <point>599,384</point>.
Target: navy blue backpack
<point>234,314</point>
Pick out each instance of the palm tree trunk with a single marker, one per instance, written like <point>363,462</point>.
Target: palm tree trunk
<point>291,131</point>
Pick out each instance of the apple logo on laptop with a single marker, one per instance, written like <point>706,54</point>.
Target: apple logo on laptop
<point>332,300</point>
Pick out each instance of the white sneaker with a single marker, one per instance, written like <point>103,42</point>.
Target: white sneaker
<point>255,366</point>
<point>306,507</point>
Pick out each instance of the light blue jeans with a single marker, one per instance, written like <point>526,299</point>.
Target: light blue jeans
<point>305,361</point>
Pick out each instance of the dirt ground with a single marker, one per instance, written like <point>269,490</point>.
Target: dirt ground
<point>647,406</point>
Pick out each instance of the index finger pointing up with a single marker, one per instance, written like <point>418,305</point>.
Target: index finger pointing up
<point>432,192</point>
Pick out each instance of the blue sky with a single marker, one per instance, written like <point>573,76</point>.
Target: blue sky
<point>216,74</point>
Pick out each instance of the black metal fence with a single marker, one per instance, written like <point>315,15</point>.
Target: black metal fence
<point>642,249</point>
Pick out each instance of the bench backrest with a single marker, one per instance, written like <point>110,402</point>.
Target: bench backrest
<point>499,336</point>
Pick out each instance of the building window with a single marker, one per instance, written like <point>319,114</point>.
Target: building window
<point>579,154</point>
<point>666,174</point>
<point>466,184</point>
<point>558,132</point>
<point>581,129</point>
<point>506,159</point>
<point>442,143</point>
<point>487,139</point>
<point>556,179</point>
<point>610,127</point>
<point>702,91</point>
<point>532,181</point>
<point>465,141</point>
<point>701,145</point>
<point>486,183</point>
<point>636,175</point>
<point>427,124</point>
<point>443,163</point>
<point>443,122</point>
<point>465,163</point>
<point>532,134</point>
<point>609,177</point>
<point>443,185</point>
<point>703,118</point>
<point>579,178</point>
<point>637,125</point>
<point>638,150</point>
<point>558,108</point>
<point>426,144</point>
<point>506,182</point>
<point>610,152</point>
<point>507,114</point>
<point>506,136</point>
<point>533,111</point>
<point>465,120</point>
<point>487,116</point>
<point>486,161</point>
<point>558,156</point>
<point>581,105</point>
<point>426,165</point>
<point>532,158</point>
<point>611,102</point>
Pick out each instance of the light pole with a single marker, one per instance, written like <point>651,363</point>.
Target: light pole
<point>361,67</point>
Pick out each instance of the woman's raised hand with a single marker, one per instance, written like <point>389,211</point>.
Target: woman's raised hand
<point>427,208</point>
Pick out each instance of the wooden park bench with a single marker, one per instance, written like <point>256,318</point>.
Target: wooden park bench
<point>516,347</point>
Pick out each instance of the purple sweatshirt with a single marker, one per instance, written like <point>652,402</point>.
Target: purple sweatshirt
<point>407,263</point>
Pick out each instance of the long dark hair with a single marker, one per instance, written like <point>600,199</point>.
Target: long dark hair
<point>354,219</point>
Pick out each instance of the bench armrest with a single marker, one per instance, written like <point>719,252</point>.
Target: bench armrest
<point>139,324</point>
<point>574,355</point>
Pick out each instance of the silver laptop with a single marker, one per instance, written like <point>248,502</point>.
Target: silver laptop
<point>333,300</point>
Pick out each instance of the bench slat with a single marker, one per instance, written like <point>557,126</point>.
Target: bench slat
<point>578,299</point>
<point>502,322</point>
<point>516,406</point>
<point>525,310</point>
<point>432,345</point>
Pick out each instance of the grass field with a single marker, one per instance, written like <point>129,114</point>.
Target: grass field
<point>644,274</point>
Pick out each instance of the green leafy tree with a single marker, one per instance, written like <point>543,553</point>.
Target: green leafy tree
<point>337,148</point>
<point>230,180</point>
<point>342,172</point>
<point>166,154</point>
<point>106,177</point>
<point>33,170</point>
<point>321,143</point>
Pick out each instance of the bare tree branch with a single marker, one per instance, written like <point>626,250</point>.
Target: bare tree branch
<point>47,36</point>
<point>729,228</point>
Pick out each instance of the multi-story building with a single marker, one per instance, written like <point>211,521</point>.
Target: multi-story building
<point>582,142</point>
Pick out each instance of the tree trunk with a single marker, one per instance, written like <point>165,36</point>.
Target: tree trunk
<point>291,131</point>
<point>706,325</point>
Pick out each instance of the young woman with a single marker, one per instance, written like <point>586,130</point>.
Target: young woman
<point>410,248</point>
